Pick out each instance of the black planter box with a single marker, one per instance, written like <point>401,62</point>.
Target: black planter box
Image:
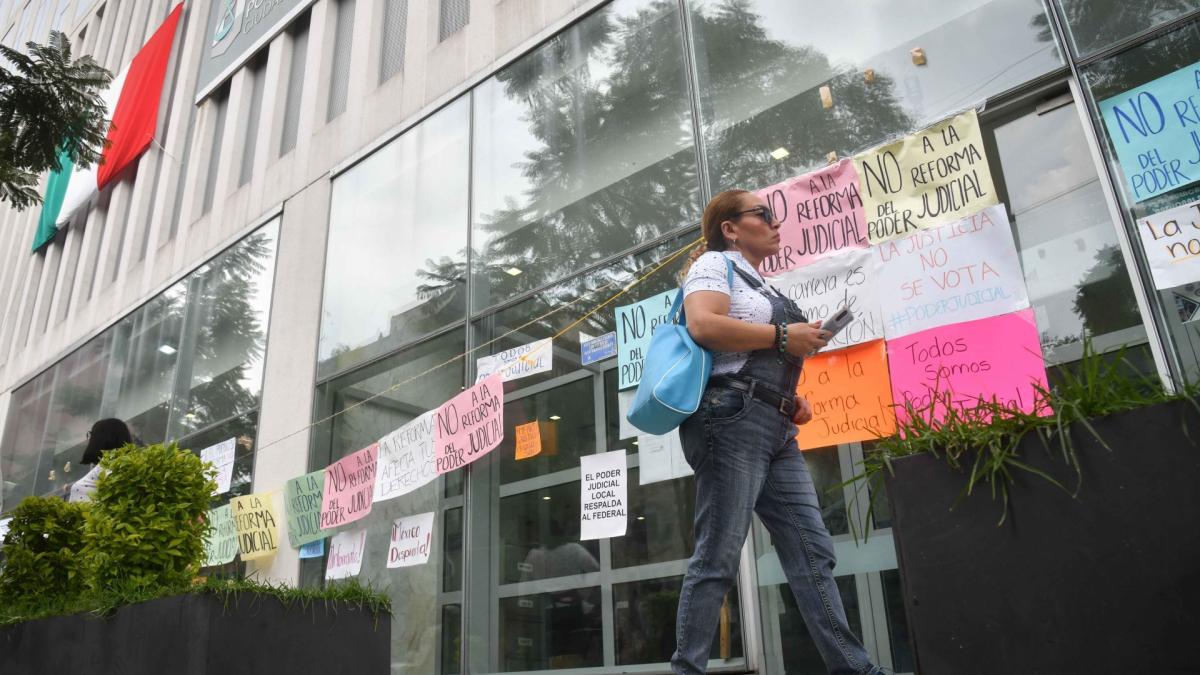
<point>1108,582</point>
<point>203,634</point>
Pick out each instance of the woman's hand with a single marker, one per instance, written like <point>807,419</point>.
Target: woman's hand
<point>803,413</point>
<point>805,338</point>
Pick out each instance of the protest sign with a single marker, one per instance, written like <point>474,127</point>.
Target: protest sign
<point>405,460</point>
<point>624,428</point>
<point>957,272</point>
<point>349,486</point>
<point>412,540</point>
<point>661,458</point>
<point>469,425</point>
<point>924,180</point>
<point>602,499</point>
<point>844,281</point>
<point>257,526</point>
<point>5,523</point>
<point>850,394</point>
<point>1172,243</point>
<point>313,549</point>
<point>529,440</point>
<point>1155,129</point>
<point>513,364</point>
<point>820,214</point>
<point>221,544</point>
<point>995,358</point>
<point>346,551</point>
<point>635,326</point>
<point>302,499</point>
<point>221,456</point>
<point>596,349</point>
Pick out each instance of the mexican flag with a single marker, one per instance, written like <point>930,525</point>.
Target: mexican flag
<point>131,102</point>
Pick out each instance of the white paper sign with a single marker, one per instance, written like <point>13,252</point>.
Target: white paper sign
<point>513,364</point>
<point>624,401</point>
<point>1172,243</point>
<point>412,540</point>
<point>845,280</point>
<point>4,523</point>
<point>221,455</point>
<point>602,500</point>
<point>661,458</point>
<point>346,550</point>
<point>405,459</point>
<point>961,271</point>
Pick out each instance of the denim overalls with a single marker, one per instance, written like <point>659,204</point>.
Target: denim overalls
<point>746,460</point>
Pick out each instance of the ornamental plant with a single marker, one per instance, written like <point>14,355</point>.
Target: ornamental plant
<point>147,526</point>
<point>43,556</point>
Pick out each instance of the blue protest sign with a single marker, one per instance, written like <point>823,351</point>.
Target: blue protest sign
<point>599,348</point>
<point>1155,129</point>
<point>313,549</point>
<point>635,325</point>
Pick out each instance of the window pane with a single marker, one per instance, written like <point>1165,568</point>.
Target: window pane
<point>893,597</point>
<point>420,640</point>
<point>75,407</point>
<point>225,330</point>
<point>546,631</point>
<point>583,149</point>
<point>1175,52</point>
<point>645,612</point>
<point>1077,280</point>
<point>762,64</point>
<point>539,536</point>
<point>145,351</point>
<point>1096,24</point>
<point>566,424</point>
<point>23,435</point>
<point>396,266</point>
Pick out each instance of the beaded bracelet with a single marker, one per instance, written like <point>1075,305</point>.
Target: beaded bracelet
<point>783,339</point>
<point>778,334</point>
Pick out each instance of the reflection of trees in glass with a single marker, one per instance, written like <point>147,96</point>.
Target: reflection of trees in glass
<point>741,61</point>
<point>1103,300</point>
<point>1099,23</point>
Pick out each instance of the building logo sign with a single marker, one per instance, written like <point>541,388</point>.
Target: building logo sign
<point>237,29</point>
<point>229,25</point>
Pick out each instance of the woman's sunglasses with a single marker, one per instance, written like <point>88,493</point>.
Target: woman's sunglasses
<point>763,212</point>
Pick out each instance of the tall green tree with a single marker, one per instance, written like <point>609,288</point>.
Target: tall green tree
<point>49,102</point>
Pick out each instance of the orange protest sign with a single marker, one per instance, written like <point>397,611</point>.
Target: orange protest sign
<point>529,440</point>
<point>851,396</point>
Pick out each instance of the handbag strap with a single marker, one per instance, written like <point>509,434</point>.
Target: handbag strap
<point>677,314</point>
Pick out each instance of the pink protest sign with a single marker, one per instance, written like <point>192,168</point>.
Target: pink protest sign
<point>469,425</point>
<point>821,214</point>
<point>349,486</point>
<point>999,357</point>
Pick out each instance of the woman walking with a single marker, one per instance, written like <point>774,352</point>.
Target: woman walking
<point>741,442</point>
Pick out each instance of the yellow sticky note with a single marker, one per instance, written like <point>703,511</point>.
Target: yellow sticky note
<point>826,97</point>
<point>257,525</point>
<point>529,440</point>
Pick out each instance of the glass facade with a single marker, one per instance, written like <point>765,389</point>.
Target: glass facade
<point>185,366</point>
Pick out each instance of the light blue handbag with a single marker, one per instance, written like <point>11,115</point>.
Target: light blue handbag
<point>674,374</point>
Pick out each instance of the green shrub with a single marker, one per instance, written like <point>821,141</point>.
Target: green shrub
<point>147,526</point>
<point>43,551</point>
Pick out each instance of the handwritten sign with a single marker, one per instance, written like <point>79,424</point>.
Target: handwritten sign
<point>221,544</point>
<point>844,281</point>
<point>996,358</point>
<point>349,486</point>
<point>602,499</point>
<point>924,180</point>
<point>635,326</point>
<point>1155,130</point>
<point>1172,243</point>
<point>661,458</point>
<point>346,551</point>
<point>961,271</point>
<point>257,527</point>
<point>529,440</point>
<point>412,540</point>
<point>598,348</point>
<point>469,425</point>
<point>221,456</point>
<point>405,460</point>
<point>513,364</point>
<point>302,499</point>
<point>313,549</point>
<point>820,214</point>
<point>850,394</point>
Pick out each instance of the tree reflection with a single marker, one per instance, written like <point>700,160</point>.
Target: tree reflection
<point>1096,24</point>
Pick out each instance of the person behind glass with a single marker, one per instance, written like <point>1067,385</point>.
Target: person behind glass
<point>105,435</point>
<point>741,442</point>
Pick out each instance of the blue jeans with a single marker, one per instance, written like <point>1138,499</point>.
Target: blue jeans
<point>746,461</point>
